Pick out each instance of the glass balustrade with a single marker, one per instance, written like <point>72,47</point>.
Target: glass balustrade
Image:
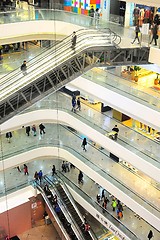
<point>63,103</point>
<point>61,132</point>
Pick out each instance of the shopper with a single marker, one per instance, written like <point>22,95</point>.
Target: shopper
<point>97,16</point>
<point>84,143</point>
<point>53,170</point>
<point>28,129</point>
<point>119,214</point>
<point>114,204</point>
<point>137,31</point>
<point>63,167</point>
<point>25,170</point>
<point>103,195</point>
<point>34,130</point>
<point>98,198</point>
<point>40,175</point>
<point>154,29</point>
<point>67,166</point>
<point>42,129</point>
<point>80,177</point>
<point>36,177</point>
<point>78,104</point>
<point>115,129</point>
<point>74,40</point>
<point>105,202</point>
<point>150,235</point>
<point>9,136</point>
<point>74,103</point>
<point>91,14</point>
<point>24,67</point>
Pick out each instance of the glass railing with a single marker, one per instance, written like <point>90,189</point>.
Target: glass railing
<point>148,154</point>
<point>15,186</point>
<point>120,85</point>
<point>97,207</point>
<point>151,207</point>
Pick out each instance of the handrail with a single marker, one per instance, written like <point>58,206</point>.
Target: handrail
<point>53,212</point>
<point>64,209</point>
<point>116,181</point>
<point>121,139</point>
<point>46,177</point>
<point>90,200</point>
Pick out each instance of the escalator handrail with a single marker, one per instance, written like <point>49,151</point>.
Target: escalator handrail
<point>62,204</point>
<point>92,200</point>
<point>66,190</point>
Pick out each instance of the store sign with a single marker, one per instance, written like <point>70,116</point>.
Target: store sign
<point>105,4</point>
<point>110,227</point>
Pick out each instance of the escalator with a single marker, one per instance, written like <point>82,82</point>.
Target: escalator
<point>60,64</point>
<point>110,222</point>
<point>59,212</point>
<point>70,204</point>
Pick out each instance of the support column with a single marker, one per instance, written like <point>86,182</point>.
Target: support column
<point>129,14</point>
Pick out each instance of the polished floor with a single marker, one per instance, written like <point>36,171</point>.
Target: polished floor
<point>139,183</point>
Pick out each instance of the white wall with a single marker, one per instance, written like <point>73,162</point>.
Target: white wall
<point>119,102</point>
<point>34,30</point>
<point>88,169</point>
<point>154,55</point>
<point>50,116</point>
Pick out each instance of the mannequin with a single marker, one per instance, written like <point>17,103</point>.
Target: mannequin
<point>141,17</point>
<point>147,14</point>
<point>136,12</point>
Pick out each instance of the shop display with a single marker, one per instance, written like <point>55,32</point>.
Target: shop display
<point>143,14</point>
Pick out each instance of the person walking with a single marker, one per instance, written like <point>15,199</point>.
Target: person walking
<point>74,40</point>
<point>42,129</point>
<point>80,177</point>
<point>78,104</point>
<point>150,235</point>
<point>137,31</point>
<point>97,16</point>
<point>114,204</point>
<point>91,14</point>
<point>115,129</point>
<point>73,103</point>
<point>103,195</point>
<point>53,170</point>
<point>34,130</point>
<point>67,166</point>
<point>63,167</point>
<point>28,129</point>
<point>40,175</point>
<point>9,136</point>
<point>84,143</point>
<point>25,170</point>
<point>98,198</point>
<point>36,177</point>
<point>154,30</point>
<point>24,67</point>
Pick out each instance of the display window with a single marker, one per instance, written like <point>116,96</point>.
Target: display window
<point>81,6</point>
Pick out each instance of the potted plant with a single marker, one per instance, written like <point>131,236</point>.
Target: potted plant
<point>136,70</point>
<point>156,80</point>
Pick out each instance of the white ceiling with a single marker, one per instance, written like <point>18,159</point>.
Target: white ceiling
<point>152,3</point>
